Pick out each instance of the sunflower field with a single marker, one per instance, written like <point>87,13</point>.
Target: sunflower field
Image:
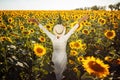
<point>93,50</point>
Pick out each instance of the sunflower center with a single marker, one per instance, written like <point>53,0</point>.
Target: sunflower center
<point>76,45</point>
<point>102,21</point>
<point>42,39</point>
<point>22,28</point>
<point>32,31</point>
<point>109,34</point>
<point>48,26</point>
<point>10,20</point>
<point>80,58</point>
<point>85,31</point>
<point>26,32</point>
<point>73,52</point>
<point>39,50</point>
<point>95,66</point>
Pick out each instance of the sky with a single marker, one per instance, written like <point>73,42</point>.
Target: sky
<point>52,4</point>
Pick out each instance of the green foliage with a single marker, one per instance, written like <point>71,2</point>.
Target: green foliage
<point>18,36</point>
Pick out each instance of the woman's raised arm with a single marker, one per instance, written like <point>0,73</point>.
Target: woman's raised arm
<point>76,26</point>
<point>49,34</point>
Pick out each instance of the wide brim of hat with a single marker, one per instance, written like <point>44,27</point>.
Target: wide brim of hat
<point>58,29</point>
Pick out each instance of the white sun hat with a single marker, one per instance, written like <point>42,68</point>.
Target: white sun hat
<point>59,29</point>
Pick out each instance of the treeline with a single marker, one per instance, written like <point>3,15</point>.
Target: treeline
<point>95,7</point>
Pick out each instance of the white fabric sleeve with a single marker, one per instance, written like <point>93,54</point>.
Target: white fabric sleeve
<point>49,34</point>
<point>72,31</point>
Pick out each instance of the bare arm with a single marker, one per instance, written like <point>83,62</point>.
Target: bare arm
<point>49,34</point>
<point>72,31</point>
<point>76,26</point>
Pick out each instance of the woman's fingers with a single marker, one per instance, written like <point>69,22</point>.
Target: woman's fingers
<point>85,17</point>
<point>34,20</point>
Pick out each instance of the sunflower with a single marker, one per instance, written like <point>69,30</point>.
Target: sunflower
<point>92,18</point>
<point>115,25</point>
<point>71,44</point>
<point>3,27</point>
<point>92,30</point>
<point>9,26</point>
<point>87,23</point>
<point>22,27</point>
<point>66,19</point>
<point>39,50</point>
<point>83,46</point>
<point>48,27</point>
<point>77,45</point>
<point>2,38</point>
<point>25,32</point>
<point>80,58</point>
<point>25,16</point>
<point>42,39</point>
<point>10,20</point>
<point>110,34</point>
<point>73,53</point>
<point>85,31</point>
<point>101,21</point>
<point>71,61</point>
<point>75,69</point>
<point>96,67</point>
<point>31,31</point>
<point>51,22</point>
<point>108,58</point>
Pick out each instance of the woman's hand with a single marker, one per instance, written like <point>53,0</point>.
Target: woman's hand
<point>83,18</point>
<point>34,21</point>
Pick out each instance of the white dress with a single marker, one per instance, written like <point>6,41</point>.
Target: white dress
<point>59,56</point>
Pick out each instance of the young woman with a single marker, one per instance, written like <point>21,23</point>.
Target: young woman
<point>59,41</point>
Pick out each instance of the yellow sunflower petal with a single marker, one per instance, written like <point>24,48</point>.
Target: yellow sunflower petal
<point>39,50</point>
<point>96,67</point>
